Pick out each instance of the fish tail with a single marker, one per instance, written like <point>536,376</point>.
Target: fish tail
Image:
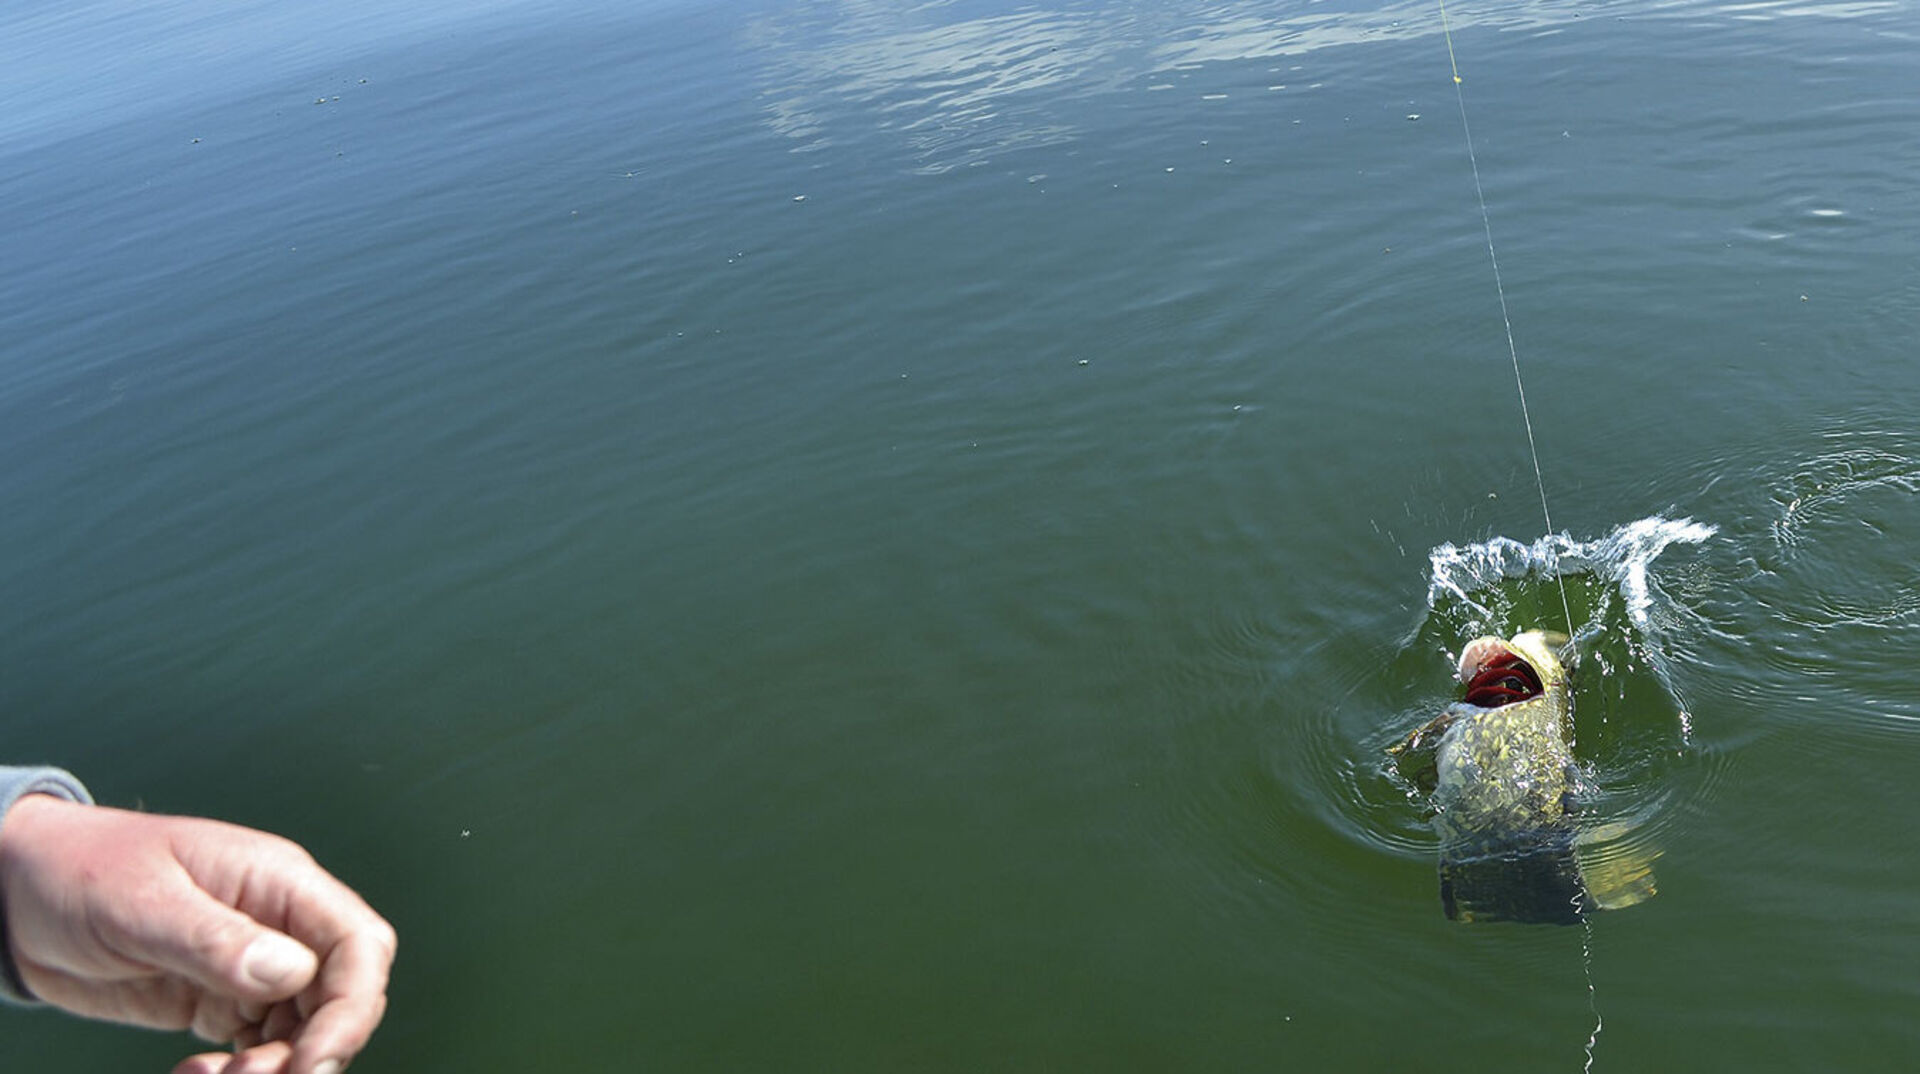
<point>1534,880</point>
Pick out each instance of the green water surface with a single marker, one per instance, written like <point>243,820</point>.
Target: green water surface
<point>869,536</point>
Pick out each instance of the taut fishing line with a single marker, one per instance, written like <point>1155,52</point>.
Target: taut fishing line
<point>1539,482</point>
<point>1513,351</point>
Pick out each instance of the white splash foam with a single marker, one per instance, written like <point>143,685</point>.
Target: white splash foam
<point>1621,557</point>
<point>1630,549</point>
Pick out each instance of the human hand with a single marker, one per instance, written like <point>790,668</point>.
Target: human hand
<point>185,923</point>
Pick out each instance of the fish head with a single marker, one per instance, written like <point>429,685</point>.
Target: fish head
<point>1505,671</point>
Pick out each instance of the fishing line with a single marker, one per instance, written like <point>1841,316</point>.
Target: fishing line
<point>1513,351</point>
<point>1593,998</point>
<point>1539,482</point>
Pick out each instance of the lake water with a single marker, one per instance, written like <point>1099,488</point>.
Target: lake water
<point>862,536</point>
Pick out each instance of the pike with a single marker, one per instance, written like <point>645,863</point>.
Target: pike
<point>1498,767</point>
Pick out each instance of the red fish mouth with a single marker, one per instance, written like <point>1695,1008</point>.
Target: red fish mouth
<point>1496,675</point>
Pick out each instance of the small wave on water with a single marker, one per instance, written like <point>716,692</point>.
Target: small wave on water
<point>1830,582</point>
<point>1836,513</point>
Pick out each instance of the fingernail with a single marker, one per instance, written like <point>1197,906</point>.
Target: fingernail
<point>275,961</point>
<point>329,1066</point>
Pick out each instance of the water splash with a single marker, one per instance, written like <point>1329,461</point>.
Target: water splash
<point>1621,558</point>
<point>1622,619</point>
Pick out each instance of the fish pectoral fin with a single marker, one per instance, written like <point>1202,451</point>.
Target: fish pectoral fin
<point>1414,757</point>
<point>1425,738</point>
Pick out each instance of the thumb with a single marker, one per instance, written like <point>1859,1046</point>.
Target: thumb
<point>277,964</point>
<point>220,949</point>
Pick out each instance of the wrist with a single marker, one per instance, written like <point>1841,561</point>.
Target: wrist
<point>25,816</point>
<point>29,799</point>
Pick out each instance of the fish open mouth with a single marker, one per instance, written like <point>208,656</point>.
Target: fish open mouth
<point>1496,675</point>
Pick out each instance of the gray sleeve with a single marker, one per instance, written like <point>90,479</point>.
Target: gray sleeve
<point>15,782</point>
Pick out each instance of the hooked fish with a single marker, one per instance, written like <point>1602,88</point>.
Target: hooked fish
<point>1500,771</point>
